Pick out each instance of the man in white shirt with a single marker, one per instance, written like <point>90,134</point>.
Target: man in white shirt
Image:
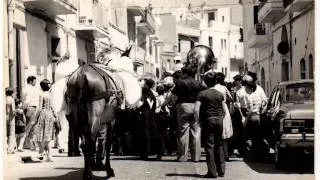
<point>256,105</point>
<point>30,99</point>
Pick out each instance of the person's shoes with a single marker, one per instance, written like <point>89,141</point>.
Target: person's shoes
<point>181,159</point>
<point>49,159</point>
<point>20,150</point>
<point>61,150</point>
<point>208,176</point>
<point>159,157</point>
<point>221,175</point>
<point>11,152</point>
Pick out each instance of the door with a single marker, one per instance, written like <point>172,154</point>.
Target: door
<point>15,64</point>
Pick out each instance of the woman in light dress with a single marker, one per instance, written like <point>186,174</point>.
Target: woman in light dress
<point>43,129</point>
<point>227,123</point>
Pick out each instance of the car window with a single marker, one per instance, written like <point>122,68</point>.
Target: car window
<point>300,92</point>
<point>272,97</point>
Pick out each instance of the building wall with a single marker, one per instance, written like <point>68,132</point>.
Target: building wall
<point>303,35</point>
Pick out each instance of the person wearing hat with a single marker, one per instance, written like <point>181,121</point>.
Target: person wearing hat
<point>43,129</point>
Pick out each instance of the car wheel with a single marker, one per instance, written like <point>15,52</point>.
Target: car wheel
<point>278,156</point>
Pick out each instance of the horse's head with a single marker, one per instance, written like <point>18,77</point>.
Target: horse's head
<point>201,59</point>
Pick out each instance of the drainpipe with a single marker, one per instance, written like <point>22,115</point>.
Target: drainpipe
<point>11,7</point>
<point>290,45</point>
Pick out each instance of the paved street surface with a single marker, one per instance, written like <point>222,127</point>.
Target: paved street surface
<point>66,168</point>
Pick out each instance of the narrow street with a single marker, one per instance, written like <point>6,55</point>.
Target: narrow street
<point>128,167</point>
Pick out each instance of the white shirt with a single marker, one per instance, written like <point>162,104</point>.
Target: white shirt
<point>224,90</point>
<point>30,96</point>
<point>241,97</point>
<point>256,101</point>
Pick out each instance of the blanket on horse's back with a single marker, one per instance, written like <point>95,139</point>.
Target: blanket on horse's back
<point>128,84</point>
<point>95,81</point>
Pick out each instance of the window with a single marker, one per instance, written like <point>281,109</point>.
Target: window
<point>225,44</point>
<point>211,17</point>
<point>303,69</point>
<point>311,66</point>
<point>263,79</point>
<point>226,71</point>
<point>55,47</point>
<point>255,14</point>
<point>222,18</point>
<point>210,42</point>
<point>221,43</point>
<point>222,70</point>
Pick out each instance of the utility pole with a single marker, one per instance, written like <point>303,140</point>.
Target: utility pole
<point>11,6</point>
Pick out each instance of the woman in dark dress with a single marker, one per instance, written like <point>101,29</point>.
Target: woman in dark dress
<point>147,111</point>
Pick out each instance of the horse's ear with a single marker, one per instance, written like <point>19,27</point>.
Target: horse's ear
<point>126,52</point>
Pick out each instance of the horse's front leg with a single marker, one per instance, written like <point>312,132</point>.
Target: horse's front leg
<point>109,170</point>
<point>87,147</point>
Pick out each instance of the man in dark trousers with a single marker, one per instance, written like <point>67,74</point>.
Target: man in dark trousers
<point>187,89</point>
<point>211,116</point>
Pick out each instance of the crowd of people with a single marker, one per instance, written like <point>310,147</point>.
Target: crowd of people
<point>180,113</point>
<point>174,115</point>
<point>31,121</point>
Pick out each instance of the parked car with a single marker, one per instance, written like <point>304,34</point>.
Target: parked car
<point>291,113</point>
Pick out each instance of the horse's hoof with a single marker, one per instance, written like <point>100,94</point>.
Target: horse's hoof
<point>87,176</point>
<point>110,173</point>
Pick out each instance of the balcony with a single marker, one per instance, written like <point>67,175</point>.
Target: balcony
<point>138,55</point>
<point>270,11</point>
<point>147,23</point>
<point>297,5</point>
<point>260,36</point>
<point>136,7</point>
<point>93,21</point>
<point>52,7</point>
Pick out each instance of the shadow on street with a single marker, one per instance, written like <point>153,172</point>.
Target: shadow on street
<point>298,164</point>
<point>184,175</point>
<point>76,174</point>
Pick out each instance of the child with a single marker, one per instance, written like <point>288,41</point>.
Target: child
<point>20,121</point>
<point>10,120</point>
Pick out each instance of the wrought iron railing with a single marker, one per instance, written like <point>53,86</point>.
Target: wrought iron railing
<point>260,29</point>
<point>100,15</point>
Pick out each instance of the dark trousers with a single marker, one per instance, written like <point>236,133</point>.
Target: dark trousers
<point>214,146</point>
<point>146,130</point>
<point>254,136</point>
<point>238,139</point>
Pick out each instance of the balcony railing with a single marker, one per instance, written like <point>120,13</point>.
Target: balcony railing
<point>260,29</point>
<point>147,23</point>
<point>53,7</point>
<point>100,15</point>
<point>93,20</point>
<point>270,11</point>
<point>138,54</point>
